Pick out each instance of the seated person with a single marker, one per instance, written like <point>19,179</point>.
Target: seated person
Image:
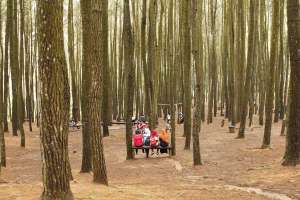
<point>180,118</point>
<point>138,140</point>
<point>73,123</point>
<point>164,139</point>
<point>146,135</point>
<point>154,141</point>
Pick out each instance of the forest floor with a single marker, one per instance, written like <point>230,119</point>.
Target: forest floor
<point>233,169</point>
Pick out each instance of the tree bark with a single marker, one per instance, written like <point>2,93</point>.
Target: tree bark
<point>55,99</point>
<point>198,56</point>
<point>98,160</point>
<point>130,76</point>
<point>187,73</point>
<point>270,85</point>
<point>292,152</point>
<point>106,94</point>
<point>249,70</point>
<point>86,165</point>
<point>75,100</point>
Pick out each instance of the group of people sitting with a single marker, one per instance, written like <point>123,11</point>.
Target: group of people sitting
<point>143,136</point>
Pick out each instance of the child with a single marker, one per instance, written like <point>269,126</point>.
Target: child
<point>154,141</point>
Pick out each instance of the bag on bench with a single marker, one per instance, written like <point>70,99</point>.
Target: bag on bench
<point>138,139</point>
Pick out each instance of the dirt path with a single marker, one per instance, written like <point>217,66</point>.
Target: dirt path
<point>231,168</point>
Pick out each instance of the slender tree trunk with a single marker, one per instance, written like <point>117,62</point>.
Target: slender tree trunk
<point>14,63</point>
<point>249,71</point>
<point>6,78</point>
<point>20,75</point>
<point>130,76</point>
<point>198,56</point>
<point>75,100</point>
<point>152,64</point>
<point>270,86</point>
<point>172,67</point>
<point>263,62</point>
<point>106,94</point>
<point>2,140</point>
<point>187,73</point>
<point>28,67</point>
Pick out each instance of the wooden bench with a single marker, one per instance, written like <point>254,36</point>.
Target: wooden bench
<point>147,149</point>
<point>78,126</point>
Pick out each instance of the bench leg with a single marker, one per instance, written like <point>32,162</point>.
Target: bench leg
<point>170,152</point>
<point>147,153</point>
<point>136,151</point>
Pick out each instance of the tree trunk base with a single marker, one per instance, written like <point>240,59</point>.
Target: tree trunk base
<point>266,146</point>
<point>291,163</point>
<point>105,131</point>
<point>57,196</point>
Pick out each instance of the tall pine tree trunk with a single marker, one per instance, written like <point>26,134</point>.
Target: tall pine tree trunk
<point>55,99</point>
<point>106,94</point>
<point>249,70</point>
<point>292,152</point>
<point>130,77</point>
<point>75,105</point>
<point>271,74</point>
<point>198,56</point>
<point>86,164</point>
<point>94,102</point>
<point>2,140</point>
<point>187,73</point>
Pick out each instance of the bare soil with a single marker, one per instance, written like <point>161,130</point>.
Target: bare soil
<point>233,169</point>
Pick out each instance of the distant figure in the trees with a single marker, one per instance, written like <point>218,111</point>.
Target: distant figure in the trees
<point>223,123</point>
<point>180,118</point>
<point>168,119</point>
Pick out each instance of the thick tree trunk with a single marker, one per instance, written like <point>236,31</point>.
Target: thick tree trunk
<point>292,152</point>
<point>94,106</point>
<point>55,99</point>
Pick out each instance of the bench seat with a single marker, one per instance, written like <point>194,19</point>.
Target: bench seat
<point>147,149</point>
